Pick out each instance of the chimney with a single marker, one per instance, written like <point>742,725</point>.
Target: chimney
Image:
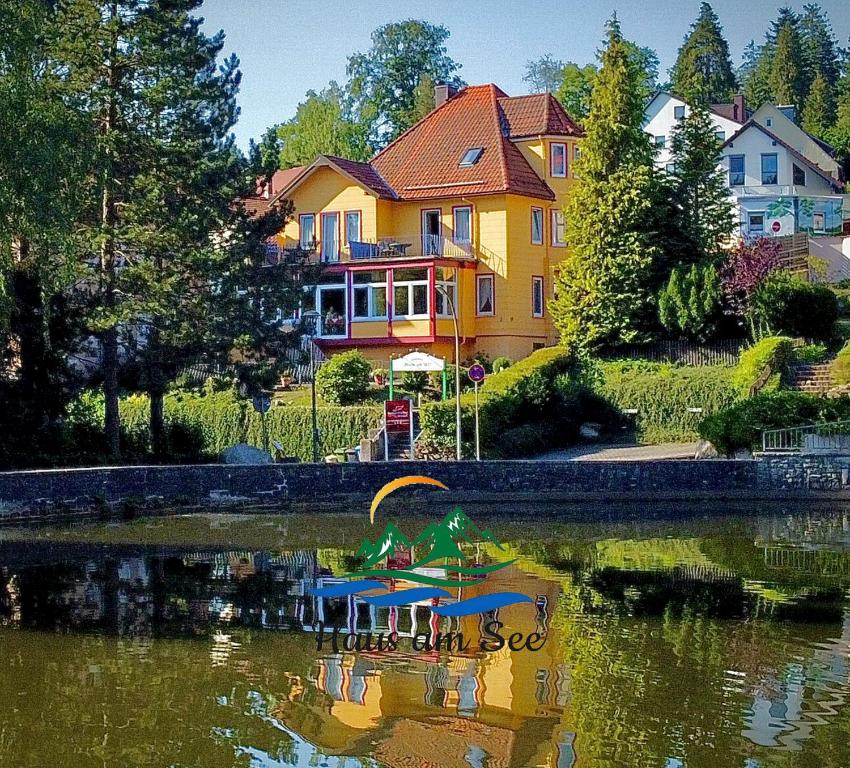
<point>739,108</point>
<point>442,93</point>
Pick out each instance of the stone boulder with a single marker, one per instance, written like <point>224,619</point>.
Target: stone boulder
<point>242,453</point>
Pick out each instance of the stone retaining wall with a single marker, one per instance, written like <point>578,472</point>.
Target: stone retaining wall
<point>72,492</point>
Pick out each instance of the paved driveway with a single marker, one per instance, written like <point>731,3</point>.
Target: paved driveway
<point>620,452</point>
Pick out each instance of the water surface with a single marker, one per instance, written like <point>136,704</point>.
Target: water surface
<point>190,641</point>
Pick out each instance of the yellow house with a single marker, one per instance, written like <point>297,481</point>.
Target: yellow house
<point>462,212</point>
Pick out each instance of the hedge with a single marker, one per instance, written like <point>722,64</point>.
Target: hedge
<point>740,426</point>
<point>520,409</point>
<point>774,354</point>
<point>662,394</point>
<point>840,367</point>
<point>201,426</point>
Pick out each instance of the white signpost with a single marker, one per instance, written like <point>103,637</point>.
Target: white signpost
<point>476,375</point>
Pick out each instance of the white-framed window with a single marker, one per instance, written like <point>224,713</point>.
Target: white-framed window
<point>537,296</point>
<point>770,168</point>
<point>679,112</point>
<point>768,122</point>
<point>818,221</point>
<point>660,142</point>
<point>799,176</point>
<point>485,295</point>
<point>470,157</point>
<point>446,281</point>
<point>558,159</point>
<point>352,227</point>
<point>720,136</point>
<point>330,236</point>
<point>755,222</point>
<point>307,231</point>
<point>737,171</point>
<point>670,168</point>
<point>462,225</point>
<point>369,289</point>
<point>410,292</point>
<point>536,226</point>
<point>559,235</point>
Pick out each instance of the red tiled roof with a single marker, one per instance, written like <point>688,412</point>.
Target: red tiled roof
<point>423,163</point>
<point>539,114</point>
<point>366,174</point>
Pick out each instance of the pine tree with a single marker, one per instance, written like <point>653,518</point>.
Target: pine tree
<point>819,110</point>
<point>839,134</point>
<point>604,285</point>
<point>819,48</point>
<point>786,78</point>
<point>703,70</point>
<point>706,214</point>
<point>756,74</point>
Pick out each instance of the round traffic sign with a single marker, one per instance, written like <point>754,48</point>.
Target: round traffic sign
<point>262,403</point>
<point>477,373</point>
<point>776,226</point>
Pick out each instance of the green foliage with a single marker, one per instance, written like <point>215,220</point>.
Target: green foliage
<point>689,304</point>
<point>415,381</point>
<point>763,365</point>
<point>786,304</point>
<point>662,395</point>
<point>604,284</point>
<point>740,426</point>
<point>786,76</point>
<point>703,71</point>
<point>840,368</point>
<point>544,75</point>
<point>839,134</point>
<point>819,111</point>
<point>706,215</point>
<point>500,363</point>
<point>810,353</point>
<point>323,125</point>
<point>383,80</point>
<point>525,397</point>
<point>576,88</point>
<point>345,378</point>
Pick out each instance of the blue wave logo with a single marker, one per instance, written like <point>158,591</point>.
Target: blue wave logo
<point>434,559</point>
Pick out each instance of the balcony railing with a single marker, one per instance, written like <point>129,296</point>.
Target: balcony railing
<point>410,246</point>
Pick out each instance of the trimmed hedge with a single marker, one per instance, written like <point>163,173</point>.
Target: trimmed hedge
<point>740,426</point>
<point>840,367</point>
<point>662,393</point>
<point>521,410</point>
<point>774,353</point>
<point>201,426</point>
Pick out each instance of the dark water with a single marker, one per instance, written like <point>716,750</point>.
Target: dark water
<point>714,641</point>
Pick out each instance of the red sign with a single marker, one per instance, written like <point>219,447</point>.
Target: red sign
<point>397,415</point>
<point>776,226</point>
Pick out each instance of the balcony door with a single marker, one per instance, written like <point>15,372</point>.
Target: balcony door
<point>333,310</point>
<point>330,237</point>
<point>432,233</point>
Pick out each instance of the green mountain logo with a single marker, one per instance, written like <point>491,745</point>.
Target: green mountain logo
<point>389,542</point>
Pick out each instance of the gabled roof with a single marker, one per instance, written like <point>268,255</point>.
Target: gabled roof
<point>751,123</point>
<point>539,114</point>
<point>726,111</point>
<point>363,174</point>
<point>424,162</point>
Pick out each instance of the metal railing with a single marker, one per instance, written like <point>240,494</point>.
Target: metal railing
<point>792,439</point>
<point>414,246</point>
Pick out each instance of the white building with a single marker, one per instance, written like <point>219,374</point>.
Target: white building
<point>782,179</point>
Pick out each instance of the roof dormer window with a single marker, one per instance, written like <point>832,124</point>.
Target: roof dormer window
<point>471,157</point>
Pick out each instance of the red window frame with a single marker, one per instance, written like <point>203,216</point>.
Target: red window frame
<point>538,280</point>
<point>301,218</point>
<point>563,147</point>
<point>492,278</point>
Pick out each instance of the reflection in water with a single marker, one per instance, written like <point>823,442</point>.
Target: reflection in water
<point>692,644</point>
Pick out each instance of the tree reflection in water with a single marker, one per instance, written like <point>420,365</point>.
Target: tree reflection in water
<point>700,643</point>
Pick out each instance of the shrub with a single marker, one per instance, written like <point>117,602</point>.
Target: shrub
<point>500,363</point>
<point>740,426</point>
<point>689,305</point>
<point>786,304</point>
<point>524,395</point>
<point>345,378</point>
<point>810,353</point>
<point>415,381</point>
<point>762,366</point>
<point>662,394</point>
<point>840,368</point>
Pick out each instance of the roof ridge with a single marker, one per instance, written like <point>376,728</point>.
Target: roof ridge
<point>502,160</point>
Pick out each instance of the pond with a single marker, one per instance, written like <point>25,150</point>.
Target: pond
<point>689,639</point>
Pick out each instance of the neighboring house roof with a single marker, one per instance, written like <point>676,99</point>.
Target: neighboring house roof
<point>424,162</point>
<point>726,111</point>
<point>751,123</point>
<point>539,114</point>
<point>363,174</point>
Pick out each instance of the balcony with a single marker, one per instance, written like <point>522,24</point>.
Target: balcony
<point>410,247</point>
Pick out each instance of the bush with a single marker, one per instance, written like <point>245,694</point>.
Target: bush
<point>740,426</point>
<point>689,305</point>
<point>500,363</point>
<point>345,378</point>
<point>840,368</point>
<point>662,394</point>
<point>789,305</point>
<point>762,366</point>
<point>810,353</point>
<point>525,395</point>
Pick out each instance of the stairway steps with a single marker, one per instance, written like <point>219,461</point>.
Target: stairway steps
<point>811,377</point>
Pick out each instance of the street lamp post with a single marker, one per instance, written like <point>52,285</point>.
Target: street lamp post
<point>442,289</point>
<point>311,328</point>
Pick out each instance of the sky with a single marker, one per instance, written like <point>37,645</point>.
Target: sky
<point>287,47</point>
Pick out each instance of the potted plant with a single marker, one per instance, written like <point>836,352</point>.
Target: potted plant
<point>379,376</point>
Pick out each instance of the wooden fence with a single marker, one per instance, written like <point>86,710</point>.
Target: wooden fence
<point>683,352</point>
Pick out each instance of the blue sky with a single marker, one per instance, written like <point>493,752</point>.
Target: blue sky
<point>287,47</point>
